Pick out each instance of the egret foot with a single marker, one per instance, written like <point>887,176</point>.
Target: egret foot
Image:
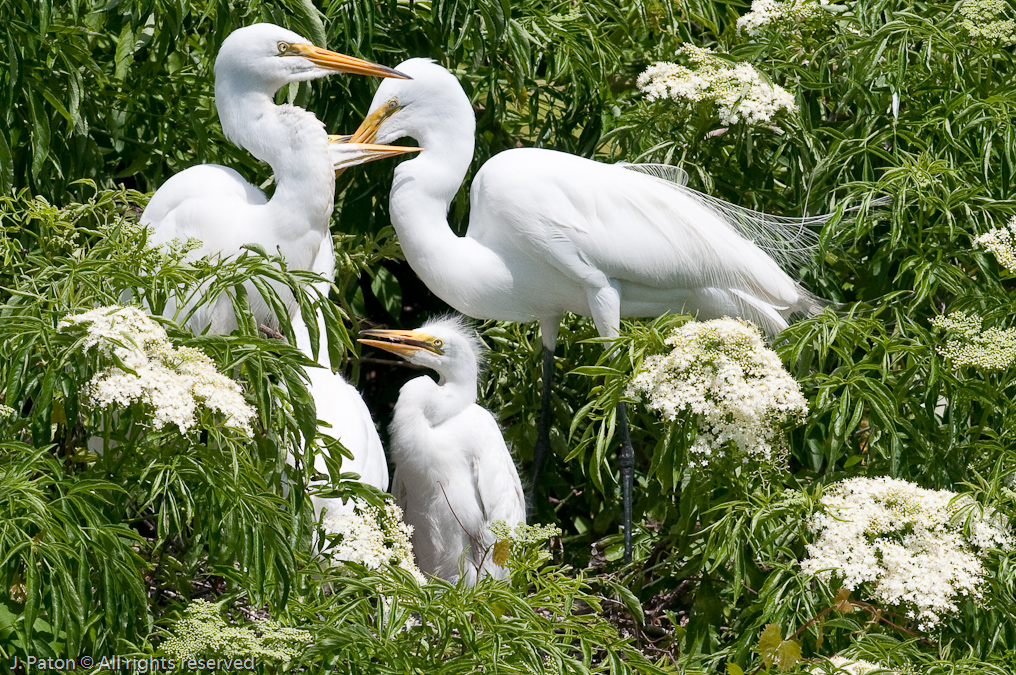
<point>626,460</point>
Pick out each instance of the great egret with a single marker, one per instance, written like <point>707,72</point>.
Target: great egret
<point>347,419</point>
<point>215,205</point>
<point>454,476</point>
<point>551,233</point>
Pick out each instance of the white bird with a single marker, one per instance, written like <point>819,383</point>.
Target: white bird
<point>454,476</point>
<point>347,419</point>
<point>215,205</point>
<point>551,233</point>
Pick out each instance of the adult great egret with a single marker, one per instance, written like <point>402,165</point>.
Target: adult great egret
<point>215,205</point>
<point>551,233</point>
<point>454,476</point>
<point>340,406</point>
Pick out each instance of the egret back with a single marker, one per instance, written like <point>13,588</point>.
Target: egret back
<point>600,223</point>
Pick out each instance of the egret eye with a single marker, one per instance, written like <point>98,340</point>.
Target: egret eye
<point>439,343</point>
<point>393,103</point>
<point>283,47</point>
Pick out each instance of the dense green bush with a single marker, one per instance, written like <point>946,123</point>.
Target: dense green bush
<point>910,100</point>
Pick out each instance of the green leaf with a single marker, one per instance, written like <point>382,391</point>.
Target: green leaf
<point>769,642</point>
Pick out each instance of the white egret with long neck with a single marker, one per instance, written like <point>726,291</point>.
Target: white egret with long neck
<point>215,205</point>
<point>551,233</point>
<point>454,476</point>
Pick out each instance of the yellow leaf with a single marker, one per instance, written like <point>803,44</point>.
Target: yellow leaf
<point>788,654</point>
<point>501,551</point>
<point>734,669</point>
<point>842,601</point>
<point>768,642</point>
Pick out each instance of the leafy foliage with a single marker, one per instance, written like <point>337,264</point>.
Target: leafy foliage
<point>908,99</point>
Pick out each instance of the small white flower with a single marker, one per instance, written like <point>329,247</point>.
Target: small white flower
<point>721,374</point>
<point>905,545</point>
<point>993,349</point>
<point>850,667</point>
<point>1001,241</point>
<point>982,19</point>
<point>774,13</point>
<point>371,537</point>
<point>172,381</point>
<point>738,91</point>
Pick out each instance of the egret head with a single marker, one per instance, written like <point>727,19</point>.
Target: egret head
<point>265,57</point>
<point>448,346</point>
<point>430,99</point>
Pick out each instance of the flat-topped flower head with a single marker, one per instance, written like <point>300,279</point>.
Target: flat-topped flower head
<point>371,536</point>
<point>968,345</point>
<point>722,377</point>
<point>174,382</point>
<point>738,91</point>
<point>905,546</point>
<point>838,665</point>
<point>1001,241</point>
<point>788,14</point>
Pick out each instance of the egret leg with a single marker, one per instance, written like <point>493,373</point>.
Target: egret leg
<point>626,457</point>
<point>542,448</point>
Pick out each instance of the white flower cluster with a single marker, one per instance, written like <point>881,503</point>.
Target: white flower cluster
<point>738,91</point>
<point>845,666</point>
<point>906,544</point>
<point>983,19</point>
<point>736,388</point>
<point>173,381</point>
<point>993,349</point>
<point>202,632</point>
<point>371,537</point>
<point>1001,241</point>
<point>776,13</point>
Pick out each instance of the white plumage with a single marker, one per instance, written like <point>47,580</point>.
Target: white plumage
<point>347,419</point>
<point>215,205</point>
<point>551,233</point>
<point>454,475</point>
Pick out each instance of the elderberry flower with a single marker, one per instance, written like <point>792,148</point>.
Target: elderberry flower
<point>737,90</point>
<point>721,376</point>
<point>775,13</point>
<point>906,546</point>
<point>202,632</point>
<point>843,666</point>
<point>983,19</point>
<point>993,349</point>
<point>173,381</point>
<point>371,536</point>
<point>1000,241</point>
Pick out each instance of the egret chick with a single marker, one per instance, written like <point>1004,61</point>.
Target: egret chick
<point>454,476</point>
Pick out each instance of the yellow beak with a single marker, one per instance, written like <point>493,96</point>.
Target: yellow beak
<point>329,60</point>
<point>405,343</point>
<point>367,134</point>
<point>367,131</point>
<point>346,154</point>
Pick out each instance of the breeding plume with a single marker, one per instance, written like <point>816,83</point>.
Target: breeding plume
<point>551,233</point>
<point>215,205</point>
<point>454,476</point>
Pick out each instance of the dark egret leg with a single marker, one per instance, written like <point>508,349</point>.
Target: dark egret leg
<point>626,460</point>
<point>542,448</point>
<point>548,333</point>
<point>605,307</point>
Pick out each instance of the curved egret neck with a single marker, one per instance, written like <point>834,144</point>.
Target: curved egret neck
<point>295,144</point>
<point>459,270</point>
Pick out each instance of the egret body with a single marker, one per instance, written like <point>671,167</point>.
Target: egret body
<point>215,205</point>
<point>454,476</point>
<point>551,233</point>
